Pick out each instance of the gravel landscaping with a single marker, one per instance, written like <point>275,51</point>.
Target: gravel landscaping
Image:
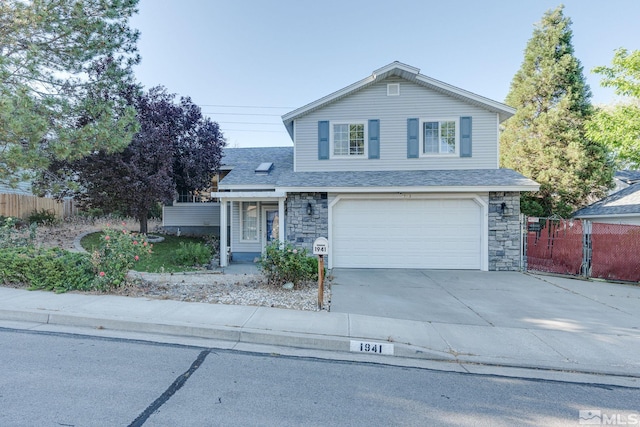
<point>204,287</point>
<point>219,288</point>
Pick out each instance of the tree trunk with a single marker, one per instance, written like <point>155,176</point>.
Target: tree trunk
<point>143,223</point>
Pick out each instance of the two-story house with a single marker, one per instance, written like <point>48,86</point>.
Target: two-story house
<point>397,170</point>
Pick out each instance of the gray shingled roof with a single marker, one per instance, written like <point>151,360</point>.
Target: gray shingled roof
<point>623,202</point>
<point>417,178</point>
<point>628,176</point>
<point>245,160</point>
<point>23,188</point>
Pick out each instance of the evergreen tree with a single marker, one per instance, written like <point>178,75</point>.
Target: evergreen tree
<point>545,140</point>
<point>55,57</point>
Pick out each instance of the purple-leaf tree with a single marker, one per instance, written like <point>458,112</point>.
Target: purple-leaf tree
<point>175,149</point>
<point>197,151</point>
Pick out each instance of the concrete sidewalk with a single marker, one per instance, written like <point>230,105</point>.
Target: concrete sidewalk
<point>534,351</point>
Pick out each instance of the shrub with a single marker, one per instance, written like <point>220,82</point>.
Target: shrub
<point>115,256</point>
<point>155,212</point>
<point>42,217</point>
<point>191,253</point>
<point>14,234</point>
<point>282,263</point>
<point>213,243</point>
<point>92,213</point>
<point>48,269</point>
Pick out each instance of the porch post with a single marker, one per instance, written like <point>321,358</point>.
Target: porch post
<point>223,233</point>
<point>282,231</point>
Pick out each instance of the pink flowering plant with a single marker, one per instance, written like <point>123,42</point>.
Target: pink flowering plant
<point>282,263</point>
<point>116,254</point>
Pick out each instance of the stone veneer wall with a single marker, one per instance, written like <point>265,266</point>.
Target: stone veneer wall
<point>303,229</point>
<point>504,229</point>
<point>504,232</point>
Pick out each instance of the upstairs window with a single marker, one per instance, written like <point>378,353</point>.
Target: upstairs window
<point>348,139</point>
<point>439,137</point>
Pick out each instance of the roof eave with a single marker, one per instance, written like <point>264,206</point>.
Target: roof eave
<point>251,195</point>
<point>288,118</point>
<point>409,73</point>
<point>605,214</point>
<point>247,187</point>
<point>504,111</point>
<point>410,189</point>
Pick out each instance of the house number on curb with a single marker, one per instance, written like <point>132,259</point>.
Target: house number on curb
<point>372,347</point>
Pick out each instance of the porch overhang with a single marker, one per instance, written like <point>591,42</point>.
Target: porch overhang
<point>248,195</point>
<point>227,197</point>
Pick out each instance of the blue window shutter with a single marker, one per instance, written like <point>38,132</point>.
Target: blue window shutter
<point>413,145</point>
<point>323,140</point>
<point>465,136</point>
<point>374,139</point>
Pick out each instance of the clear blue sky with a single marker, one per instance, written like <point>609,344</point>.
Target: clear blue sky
<point>230,54</point>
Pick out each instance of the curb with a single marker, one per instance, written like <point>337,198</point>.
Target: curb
<point>287,339</point>
<point>233,334</point>
<point>76,242</point>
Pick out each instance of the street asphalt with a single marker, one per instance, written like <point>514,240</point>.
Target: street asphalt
<point>503,323</point>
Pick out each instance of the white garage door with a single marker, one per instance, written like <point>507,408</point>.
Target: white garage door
<point>407,233</point>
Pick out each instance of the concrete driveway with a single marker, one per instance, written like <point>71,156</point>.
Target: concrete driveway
<point>500,299</point>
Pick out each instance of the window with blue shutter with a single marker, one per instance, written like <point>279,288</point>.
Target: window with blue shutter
<point>413,143</point>
<point>374,139</point>
<point>323,140</point>
<point>465,136</point>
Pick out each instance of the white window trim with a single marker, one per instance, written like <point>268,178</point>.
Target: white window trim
<point>440,120</point>
<point>393,89</point>
<point>241,218</point>
<point>364,155</point>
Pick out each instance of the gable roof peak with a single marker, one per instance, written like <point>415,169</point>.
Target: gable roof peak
<point>395,65</point>
<point>406,72</point>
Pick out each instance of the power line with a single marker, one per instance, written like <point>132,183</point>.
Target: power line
<point>252,130</point>
<point>252,123</point>
<point>244,106</point>
<point>242,114</point>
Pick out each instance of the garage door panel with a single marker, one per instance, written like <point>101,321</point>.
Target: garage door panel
<point>410,233</point>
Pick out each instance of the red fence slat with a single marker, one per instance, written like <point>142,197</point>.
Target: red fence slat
<point>616,252</point>
<point>609,251</point>
<point>556,247</point>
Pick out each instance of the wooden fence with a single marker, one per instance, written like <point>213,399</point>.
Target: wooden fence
<point>21,206</point>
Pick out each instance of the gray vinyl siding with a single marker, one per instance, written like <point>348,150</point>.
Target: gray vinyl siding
<point>236,244</point>
<point>191,215</point>
<point>393,111</point>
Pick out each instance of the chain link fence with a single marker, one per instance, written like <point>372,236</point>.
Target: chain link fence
<point>583,248</point>
<point>615,253</point>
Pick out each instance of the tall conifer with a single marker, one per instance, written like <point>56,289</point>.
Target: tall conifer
<point>545,140</point>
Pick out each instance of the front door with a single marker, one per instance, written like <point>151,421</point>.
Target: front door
<point>271,225</point>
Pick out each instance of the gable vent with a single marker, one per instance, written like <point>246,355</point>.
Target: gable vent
<point>264,168</point>
<point>393,89</point>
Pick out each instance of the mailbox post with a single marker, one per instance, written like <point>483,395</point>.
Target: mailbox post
<point>320,248</point>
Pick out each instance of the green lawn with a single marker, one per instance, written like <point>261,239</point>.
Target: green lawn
<point>161,260</point>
